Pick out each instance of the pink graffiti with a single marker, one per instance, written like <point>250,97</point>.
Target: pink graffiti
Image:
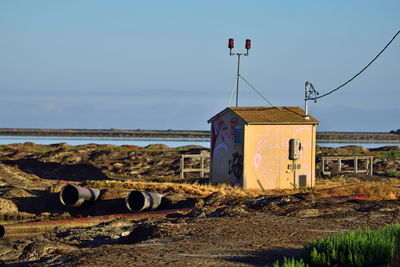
<point>233,123</point>
<point>217,130</point>
<point>271,146</point>
<point>257,160</point>
<point>219,146</point>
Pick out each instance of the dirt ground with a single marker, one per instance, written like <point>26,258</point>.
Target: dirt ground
<point>219,229</point>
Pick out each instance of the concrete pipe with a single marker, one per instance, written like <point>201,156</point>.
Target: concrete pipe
<point>72,195</point>
<point>2,230</point>
<point>140,200</point>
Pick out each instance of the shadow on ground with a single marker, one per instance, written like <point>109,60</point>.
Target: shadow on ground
<point>57,171</point>
<point>46,202</point>
<point>267,257</point>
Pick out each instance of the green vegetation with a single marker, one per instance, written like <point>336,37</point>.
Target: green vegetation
<point>390,154</point>
<point>392,173</point>
<point>291,263</point>
<point>352,248</point>
<point>182,149</point>
<point>357,248</point>
<point>104,184</point>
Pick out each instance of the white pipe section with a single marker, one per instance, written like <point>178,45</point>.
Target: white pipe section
<point>74,196</point>
<point>141,200</point>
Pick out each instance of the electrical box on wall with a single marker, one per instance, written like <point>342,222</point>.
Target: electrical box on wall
<point>294,149</point>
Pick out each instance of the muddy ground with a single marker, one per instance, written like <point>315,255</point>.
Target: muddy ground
<point>219,230</point>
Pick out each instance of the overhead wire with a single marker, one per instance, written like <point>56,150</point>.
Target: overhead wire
<point>355,76</point>
<point>263,97</point>
<point>233,89</point>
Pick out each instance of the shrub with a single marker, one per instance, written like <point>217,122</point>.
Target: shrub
<point>357,248</point>
<point>391,154</point>
<point>291,263</point>
<point>392,173</point>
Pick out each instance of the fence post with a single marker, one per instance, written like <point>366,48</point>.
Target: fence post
<point>355,165</point>
<point>202,167</point>
<point>202,170</point>
<point>371,160</point>
<point>182,166</point>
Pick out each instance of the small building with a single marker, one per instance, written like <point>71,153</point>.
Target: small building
<point>263,147</point>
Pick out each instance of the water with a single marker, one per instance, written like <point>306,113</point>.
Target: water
<point>73,141</point>
<point>367,144</point>
<point>171,142</point>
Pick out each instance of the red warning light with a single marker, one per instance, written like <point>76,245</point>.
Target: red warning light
<point>230,43</point>
<point>248,44</point>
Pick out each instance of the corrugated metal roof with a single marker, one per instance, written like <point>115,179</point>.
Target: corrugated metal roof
<point>271,115</point>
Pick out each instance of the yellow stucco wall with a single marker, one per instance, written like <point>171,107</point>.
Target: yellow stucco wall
<point>266,161</point>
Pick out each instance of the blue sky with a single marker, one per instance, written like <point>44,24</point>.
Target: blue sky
<point>166,65</point>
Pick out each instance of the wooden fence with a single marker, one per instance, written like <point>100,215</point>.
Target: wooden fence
<point>202,170</point>
<point>368,164</point>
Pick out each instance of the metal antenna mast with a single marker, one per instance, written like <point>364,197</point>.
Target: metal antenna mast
<point>230,46</point>
<point>310,93</point>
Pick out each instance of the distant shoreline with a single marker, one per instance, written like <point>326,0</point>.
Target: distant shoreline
<point>187,134</point>
<point>107,133</point>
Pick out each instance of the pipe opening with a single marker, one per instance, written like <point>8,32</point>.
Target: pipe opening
<point>69,195</point>
<point>136,201</point>
<point>2,231</point>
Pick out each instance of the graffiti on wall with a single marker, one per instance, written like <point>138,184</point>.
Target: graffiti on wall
<point>219,147</point>
<point>236,166</point>
<point>219,129</point>
<point>222,136</point>
<point>271,153</point>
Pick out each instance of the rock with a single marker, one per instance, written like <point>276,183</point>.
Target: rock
<point>7,207</point>
<point>126,233</point>
<point>55,188</point>
<point>59,145</point>
<point>118,165</point>
<point>12,191</point>
<point>144,231</point>
<point>40,248</point>
<point>230,211</point>
<point>214,199</point>
<point>308,213</point>
<point>157,147</point>
<point>192,147</point>
<point>386,148</point>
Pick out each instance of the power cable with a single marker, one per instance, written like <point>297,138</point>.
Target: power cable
<point>372,61</point>
<point>233,89</point>
<point>263,97</point>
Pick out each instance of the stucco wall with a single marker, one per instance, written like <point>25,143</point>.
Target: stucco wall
<point>226,156</point>
<point>266,162</point>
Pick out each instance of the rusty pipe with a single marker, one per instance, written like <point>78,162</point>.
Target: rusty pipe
<point>141,200</point>
<point>74,196</point>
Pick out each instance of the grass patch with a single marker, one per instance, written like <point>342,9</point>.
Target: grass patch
<point>352,248</point>
<point>390,155</point>
<point>392,173</point>
<point>40,149</point>
<point>387,188</point>
<point>196,189</point>
<point>291,263</point>
<point>355,248</point>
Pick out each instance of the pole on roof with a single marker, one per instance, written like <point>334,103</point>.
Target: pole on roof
<point>230,46</point>
<point>237,82</point>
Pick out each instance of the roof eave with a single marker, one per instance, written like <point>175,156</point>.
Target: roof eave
<point>217,115</point>
<point>282,123</point>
